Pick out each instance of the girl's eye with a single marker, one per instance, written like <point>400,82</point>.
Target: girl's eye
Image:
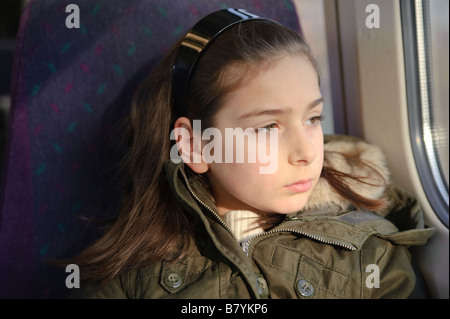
<point>315,120</point>
<point>267,128</point>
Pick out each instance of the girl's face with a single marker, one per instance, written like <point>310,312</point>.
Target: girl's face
<point>283,99</point>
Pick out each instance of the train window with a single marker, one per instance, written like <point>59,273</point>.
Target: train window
<point>426,42</point>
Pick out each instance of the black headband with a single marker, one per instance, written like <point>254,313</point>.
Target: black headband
<point>191,48</point>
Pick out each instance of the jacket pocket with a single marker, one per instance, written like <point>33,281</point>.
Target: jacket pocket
<point>315,280</point>
<point>309,277</point>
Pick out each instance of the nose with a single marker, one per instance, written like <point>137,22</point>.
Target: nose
<point>302,150</point>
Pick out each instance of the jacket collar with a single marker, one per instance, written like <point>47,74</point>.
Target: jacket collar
<point>188,190</point>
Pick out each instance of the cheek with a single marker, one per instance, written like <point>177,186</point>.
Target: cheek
<point>242,179</point>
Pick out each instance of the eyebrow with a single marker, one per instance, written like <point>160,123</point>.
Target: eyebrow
<point>277,111</point>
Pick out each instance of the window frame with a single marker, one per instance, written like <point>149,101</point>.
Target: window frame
<point>418,90</point>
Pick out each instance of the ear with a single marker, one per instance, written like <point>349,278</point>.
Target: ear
<point>189,143</point>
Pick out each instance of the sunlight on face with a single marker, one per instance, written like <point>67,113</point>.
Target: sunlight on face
<point>284,97</point>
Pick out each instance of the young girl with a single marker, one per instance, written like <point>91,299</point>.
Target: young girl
<point>318,226</point>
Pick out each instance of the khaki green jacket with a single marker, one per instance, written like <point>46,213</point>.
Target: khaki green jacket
<point>329,250</point>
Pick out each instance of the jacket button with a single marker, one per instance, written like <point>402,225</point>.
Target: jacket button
<point>173,280</point>
<point>263,289</point>
<point>305,288</point>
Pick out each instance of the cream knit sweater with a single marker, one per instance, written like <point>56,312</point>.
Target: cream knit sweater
<point>243,224</point>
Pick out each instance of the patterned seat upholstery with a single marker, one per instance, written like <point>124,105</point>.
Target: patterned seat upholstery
<point>71,86</point>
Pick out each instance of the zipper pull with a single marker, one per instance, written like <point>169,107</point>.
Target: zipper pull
<point>244,246</point>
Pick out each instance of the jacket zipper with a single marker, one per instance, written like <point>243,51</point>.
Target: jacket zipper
<point>221,221</point>
<point>246,245</point>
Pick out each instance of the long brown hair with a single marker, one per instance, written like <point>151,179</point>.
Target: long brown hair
<point>151,225</point>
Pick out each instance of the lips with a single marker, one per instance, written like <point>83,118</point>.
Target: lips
<point>300,186</point>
